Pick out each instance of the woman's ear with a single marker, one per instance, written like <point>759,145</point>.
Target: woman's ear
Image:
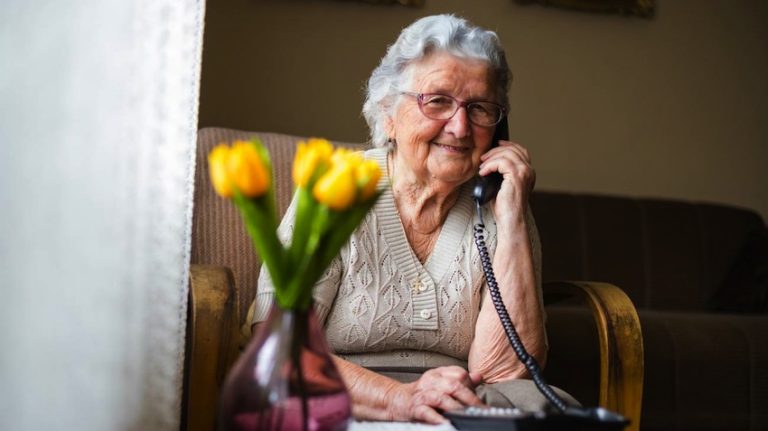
<point>389,126</point>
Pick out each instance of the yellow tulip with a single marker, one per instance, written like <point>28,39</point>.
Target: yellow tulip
<point>217,169</point>
<point>336,188</point>
<point>344,155</point>
<point>312,158</point>
<point>246,170</point>
<point>367,174</point>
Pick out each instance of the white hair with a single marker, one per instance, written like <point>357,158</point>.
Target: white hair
<point>446,33</point>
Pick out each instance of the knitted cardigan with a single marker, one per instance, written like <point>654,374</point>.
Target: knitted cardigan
<point>381,307</point>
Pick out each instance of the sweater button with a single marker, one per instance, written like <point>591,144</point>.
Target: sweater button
<point>426,314</point>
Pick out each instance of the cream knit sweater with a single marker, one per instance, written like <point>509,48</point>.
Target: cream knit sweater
<point>381,307</point>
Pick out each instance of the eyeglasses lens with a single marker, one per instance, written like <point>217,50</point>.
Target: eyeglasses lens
<point>440,107</point>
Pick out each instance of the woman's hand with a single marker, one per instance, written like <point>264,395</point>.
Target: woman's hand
<point>514,163</point>
<point>439,389</point>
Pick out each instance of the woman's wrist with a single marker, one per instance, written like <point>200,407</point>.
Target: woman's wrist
<point>374,396</point>
<point>398,398</point>
<point>510,214</point>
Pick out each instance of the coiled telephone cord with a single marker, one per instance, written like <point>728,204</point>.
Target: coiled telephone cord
<point>514,340</point>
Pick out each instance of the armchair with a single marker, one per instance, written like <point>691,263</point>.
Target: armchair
<point>224,274</point>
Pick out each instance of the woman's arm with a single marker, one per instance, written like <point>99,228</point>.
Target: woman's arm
<point>377,397</point>
<point>513,263</point>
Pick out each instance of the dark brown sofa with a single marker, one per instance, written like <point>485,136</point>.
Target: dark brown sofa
<point>698,275</point>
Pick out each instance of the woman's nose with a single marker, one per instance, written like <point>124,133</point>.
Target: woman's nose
<point>459,125</point>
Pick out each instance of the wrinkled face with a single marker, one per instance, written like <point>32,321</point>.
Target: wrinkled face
<point>443,150</point>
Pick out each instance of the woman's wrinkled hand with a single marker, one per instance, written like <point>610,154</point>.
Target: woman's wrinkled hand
<point>514,163</point>
<point>439,389</point>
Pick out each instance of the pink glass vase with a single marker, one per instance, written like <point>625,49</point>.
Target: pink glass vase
<point>285,379</point>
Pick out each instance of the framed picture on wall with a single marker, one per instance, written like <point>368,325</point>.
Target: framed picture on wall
<point>643,8</point>
<point>412,3</point>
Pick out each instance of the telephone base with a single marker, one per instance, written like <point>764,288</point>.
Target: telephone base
<point>481,419</point>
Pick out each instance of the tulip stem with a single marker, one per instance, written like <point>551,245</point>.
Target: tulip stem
<point>261,224</point>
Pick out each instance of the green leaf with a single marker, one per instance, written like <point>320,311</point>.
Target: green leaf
<point>337,237</point>
<point>307,269</point>
<point>261,225</point>
<point>306,209</point>
<point>333,230</point>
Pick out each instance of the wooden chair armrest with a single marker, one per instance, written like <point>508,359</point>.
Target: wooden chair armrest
<point>621,344</point>
<point>213,341</point>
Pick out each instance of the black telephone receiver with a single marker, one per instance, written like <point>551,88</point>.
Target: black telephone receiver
<point>487,186</point>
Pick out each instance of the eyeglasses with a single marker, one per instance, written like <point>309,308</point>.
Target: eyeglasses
<point>444,107</point>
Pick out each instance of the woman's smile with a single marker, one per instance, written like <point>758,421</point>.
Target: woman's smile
<point>452,148</point>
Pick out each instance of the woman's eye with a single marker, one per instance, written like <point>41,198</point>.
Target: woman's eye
<point>479,109</point>
<point>438,101</point>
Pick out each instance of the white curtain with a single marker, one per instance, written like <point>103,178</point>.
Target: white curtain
<point>98,116</point>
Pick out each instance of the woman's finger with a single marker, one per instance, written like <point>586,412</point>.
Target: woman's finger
<point>505,166</point>
<point>452,384</point>
<point>456,372</point>
<point>445,379</point>
<point>509,159</point>
<point>449,385</point>
<point>425,413</point>
<point>517,149</point>
<point>506,146</point>
<point>466,397</point>
<point>438,400</point>
<point>475,378</point>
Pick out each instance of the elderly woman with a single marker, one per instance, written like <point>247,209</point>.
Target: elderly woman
<point>405,305</point>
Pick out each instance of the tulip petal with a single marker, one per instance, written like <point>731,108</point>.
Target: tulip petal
<point>217,169</point>
<point>336,189</point>
<point>247,169</point>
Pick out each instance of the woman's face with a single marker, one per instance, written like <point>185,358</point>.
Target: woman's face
<point>443,150</point>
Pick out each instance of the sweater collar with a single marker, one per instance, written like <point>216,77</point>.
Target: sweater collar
<point>448,245</point>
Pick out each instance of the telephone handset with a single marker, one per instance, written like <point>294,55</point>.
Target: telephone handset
<point>568,417</point>
<point>487,186</point>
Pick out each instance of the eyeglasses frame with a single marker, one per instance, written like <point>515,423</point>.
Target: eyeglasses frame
<point>460,104</point>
